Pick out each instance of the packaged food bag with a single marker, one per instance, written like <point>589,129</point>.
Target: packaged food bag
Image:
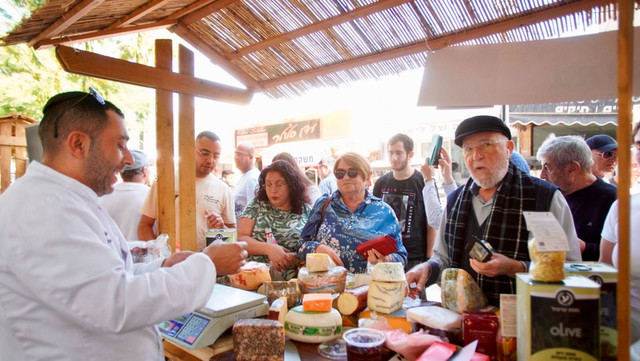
<point>545,266</point>
<point>149,251</point>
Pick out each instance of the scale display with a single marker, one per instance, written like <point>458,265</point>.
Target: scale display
<point>202,327</point>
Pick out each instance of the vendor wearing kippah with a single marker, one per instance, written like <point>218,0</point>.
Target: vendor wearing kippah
<point>489,207</point>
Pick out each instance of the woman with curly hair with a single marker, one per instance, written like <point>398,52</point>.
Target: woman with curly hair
<point>272,221</point>
<point>312,190</point>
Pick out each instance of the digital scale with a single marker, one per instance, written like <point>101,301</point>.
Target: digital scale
<point>202,327</point>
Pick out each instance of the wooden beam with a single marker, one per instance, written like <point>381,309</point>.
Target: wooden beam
<point>321,25</point>
<point>137,14</point>
<point>102,34</point>
<point>625,118</point>
<point>207,10</point>
<point>442,42</point>
<point>164,145</point>
<point>66,20</point>
<point>187,167</point>
<point>189,9</point>
<point>189,36</point>
<point>100,66</point>
<point>11,141</point>
<point>365,60</point>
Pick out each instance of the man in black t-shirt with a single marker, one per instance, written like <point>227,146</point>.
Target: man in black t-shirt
<point>566,162</point>
<point>402,190</point>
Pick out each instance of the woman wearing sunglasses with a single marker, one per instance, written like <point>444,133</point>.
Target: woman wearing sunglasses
<point>349,217</point>
<point>271,222</point>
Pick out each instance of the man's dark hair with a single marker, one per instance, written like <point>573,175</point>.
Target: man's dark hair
<point>209,135</point>
<point>75,111</point>
<point>128,175</point>
<point>405,139</point>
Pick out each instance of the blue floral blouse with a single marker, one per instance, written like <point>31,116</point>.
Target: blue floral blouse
<point>343,231</point>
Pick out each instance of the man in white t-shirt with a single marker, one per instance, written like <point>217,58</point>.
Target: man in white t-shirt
<point>214,199</point>
<point>245,190</point>
<point>123,205</point>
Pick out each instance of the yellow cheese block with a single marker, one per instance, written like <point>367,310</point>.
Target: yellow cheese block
<point>397,319</point>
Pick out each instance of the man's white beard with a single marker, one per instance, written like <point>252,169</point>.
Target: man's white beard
<point>494,178</point>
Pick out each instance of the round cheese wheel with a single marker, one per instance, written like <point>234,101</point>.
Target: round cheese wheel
<point>312,327</point>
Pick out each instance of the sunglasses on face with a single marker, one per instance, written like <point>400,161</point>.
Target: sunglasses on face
<point>92,92</point>
<point>608,154</point>
<point>351,172</point>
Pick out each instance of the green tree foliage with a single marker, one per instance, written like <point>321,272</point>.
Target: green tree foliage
<point>29,77</point>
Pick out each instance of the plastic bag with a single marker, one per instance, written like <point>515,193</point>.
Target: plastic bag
<point>545,266</point>
<point>149,251</point>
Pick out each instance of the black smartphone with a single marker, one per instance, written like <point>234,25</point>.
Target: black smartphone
<point>434,154</point>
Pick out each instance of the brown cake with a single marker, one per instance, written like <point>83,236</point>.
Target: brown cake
<point>258,340</point>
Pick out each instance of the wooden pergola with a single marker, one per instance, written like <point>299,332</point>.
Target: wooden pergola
<point>284,48</point>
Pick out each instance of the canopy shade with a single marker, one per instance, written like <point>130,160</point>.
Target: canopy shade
<point>566,119</point>
<point>285,48</point>
<point>576,68</point>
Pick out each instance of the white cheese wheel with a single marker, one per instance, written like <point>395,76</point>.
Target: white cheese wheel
<point>312,327</point>
<point>435,317</point>
<point>317,262</point>
<point>385,297</point>
<point>388,272</point>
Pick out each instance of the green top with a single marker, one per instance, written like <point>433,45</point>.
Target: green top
<point>285,226</point>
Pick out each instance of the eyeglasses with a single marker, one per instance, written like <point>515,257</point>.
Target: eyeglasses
<point>608,154</point>
<point>483,147</point>
<point>93,92</point>
<point>207,154</point>
<point>277,186</point>
<point>351,172</point>
<point>636,146</point>
<point>240,154</point>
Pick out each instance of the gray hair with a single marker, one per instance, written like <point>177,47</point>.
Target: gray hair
<point>566,149</point>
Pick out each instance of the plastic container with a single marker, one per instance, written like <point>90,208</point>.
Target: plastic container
<point>364,344</point>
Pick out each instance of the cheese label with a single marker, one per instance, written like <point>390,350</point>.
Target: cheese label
<point>303,330</point>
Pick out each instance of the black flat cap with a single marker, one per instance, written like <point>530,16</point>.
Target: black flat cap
<point>480,123</point>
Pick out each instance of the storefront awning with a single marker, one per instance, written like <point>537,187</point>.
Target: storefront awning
<point>566,119</point>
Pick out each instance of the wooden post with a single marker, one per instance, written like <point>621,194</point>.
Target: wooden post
<point>526,141</point>
<point>187,166</point>
<point>5,157</point>
<point>625,92</point>
<point>21,157</point>
<point>164,144</point>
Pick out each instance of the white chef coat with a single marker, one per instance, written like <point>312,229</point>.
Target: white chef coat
<point>123,205</point>
<point>68,287</point>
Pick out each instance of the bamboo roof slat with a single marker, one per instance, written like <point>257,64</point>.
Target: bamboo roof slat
<point>286,47</point>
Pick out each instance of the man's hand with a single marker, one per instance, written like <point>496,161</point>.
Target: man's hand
<point>427,170</point>
<point>214,220</point>
<point>444,163</point>
<point>176,258</point>
<point>228,257</point>
<point>332,254</point>
<point>583,245</point>
<point>416,279</point>
<point>498,265</point>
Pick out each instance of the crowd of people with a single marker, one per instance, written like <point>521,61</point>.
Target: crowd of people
<point>65,264</point>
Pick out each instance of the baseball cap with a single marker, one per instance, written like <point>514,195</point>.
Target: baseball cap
<point>139,160</point>
<point>478,124</point>
<point>602,142</point>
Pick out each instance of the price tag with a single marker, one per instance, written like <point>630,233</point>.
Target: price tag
<point>547,232</point>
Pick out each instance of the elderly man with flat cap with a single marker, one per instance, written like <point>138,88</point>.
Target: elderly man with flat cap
<point>124,204</point>
<point>489,207</point>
